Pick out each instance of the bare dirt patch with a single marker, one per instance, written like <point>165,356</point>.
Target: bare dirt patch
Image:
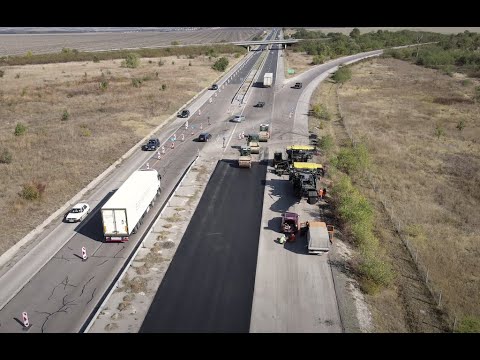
<point>103,122</point>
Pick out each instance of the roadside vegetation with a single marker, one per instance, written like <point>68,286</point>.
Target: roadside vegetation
<point>69,56</point>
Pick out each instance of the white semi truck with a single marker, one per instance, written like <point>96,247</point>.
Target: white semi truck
<point>123,213</point>
<point>268,79</point>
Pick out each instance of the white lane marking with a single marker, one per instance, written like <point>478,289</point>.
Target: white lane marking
<point>231,135</point>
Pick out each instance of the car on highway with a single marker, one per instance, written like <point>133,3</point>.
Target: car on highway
<point>204,137</point>
<point>214,87</point>
<point>297,85</point>
<point>184,113</point>
<point>238,118</point>
<point>260,104</point>
<point>77,213</point>
<point>151,145</point>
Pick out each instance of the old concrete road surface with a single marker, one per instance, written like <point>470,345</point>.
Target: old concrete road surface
<point>51,283</point>
<point>209,284</point>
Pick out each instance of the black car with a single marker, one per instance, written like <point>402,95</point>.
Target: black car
<point>260,104</point>
<point>214,87</point>
<point>151,145</point>
<point>204,137</point>
<point>184,113</point>
<point>297,85</point>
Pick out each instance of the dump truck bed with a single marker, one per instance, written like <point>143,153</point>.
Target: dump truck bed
<point>318,238</point>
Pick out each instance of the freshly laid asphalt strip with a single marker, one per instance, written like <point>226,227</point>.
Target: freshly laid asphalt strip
<point>209,284</point>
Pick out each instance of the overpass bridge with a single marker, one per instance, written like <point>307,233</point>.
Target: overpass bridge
<point>251,43</point>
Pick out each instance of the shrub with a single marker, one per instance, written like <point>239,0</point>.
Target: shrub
<point>75,52</point>
<point>33,190</point>
<point>189,63</point>
<point>17,76</point>
<point>175,43</point>
<point>466,82</point>
<point>29,54</point>
<point>20,129</point>
<point>164,87</point>
<point>318,59</point>
<point>96,59</point>
<point>132,60</point>
<point>221,64</point>
<point>136,82</point>
<point>150,61</point>
<point>375,271</point>
<point>352,160</point>
<point>342,75</point>
<point>326,143</point>
<point>320,112</point>
<point>85,131</point>
<point>65,115</point>
<point>161,62</point>
<point>469,324</point>
<point>66,51</point>
<point>104,85</point>
<point>2,72</point>
<point>439,131</point>
<point>461,125</point>
<point>173,62</point>
<point>5,157</point>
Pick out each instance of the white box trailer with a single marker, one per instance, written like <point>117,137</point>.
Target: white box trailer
<point>318,238</point>
<point>123,212</point>
<point>267,79</point>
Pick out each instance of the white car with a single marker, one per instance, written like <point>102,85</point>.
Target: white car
<point>78,213</point>
<point>238,118</point>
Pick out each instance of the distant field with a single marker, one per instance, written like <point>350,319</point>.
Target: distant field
<point>347,30</point>
<point>20,44</point>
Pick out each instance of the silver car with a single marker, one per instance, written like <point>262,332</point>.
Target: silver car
<point>238,118</point>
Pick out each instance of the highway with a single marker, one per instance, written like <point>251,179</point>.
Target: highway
<point>64,291</point>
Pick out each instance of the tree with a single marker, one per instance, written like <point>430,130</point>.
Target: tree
<point>355,33</point>
<point>221,64</point>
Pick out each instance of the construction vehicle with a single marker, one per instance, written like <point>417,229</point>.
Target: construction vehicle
<point>300,153</point>
<point>264,133</point>
<point>282,168</point>
<point>319,237</point>
<point>290,225</point>
<point>123,213</point>
<point>305,184</point>
<point>277,157</point>
<point>245,159</point>
<point>253,143</point>
<point>313,168</point>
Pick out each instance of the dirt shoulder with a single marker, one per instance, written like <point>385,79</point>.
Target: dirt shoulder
<point>80,118</point>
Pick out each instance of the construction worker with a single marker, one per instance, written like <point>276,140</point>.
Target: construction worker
<point>320,193</point>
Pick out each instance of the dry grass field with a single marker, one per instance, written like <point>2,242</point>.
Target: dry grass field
<point>299,61</point>
<point>102,124</point>
<point>347,30</point>
<point>20,44</point>
<point>429,173</point>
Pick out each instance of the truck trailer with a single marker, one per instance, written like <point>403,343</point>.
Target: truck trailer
<point>267,79</point>
<point>123,213</point>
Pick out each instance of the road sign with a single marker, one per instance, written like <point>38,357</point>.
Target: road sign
<point>84,253</point>
<point>291,71</point>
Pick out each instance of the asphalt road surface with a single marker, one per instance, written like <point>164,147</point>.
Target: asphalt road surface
<point>63,294</point>
<point>209,284</point>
